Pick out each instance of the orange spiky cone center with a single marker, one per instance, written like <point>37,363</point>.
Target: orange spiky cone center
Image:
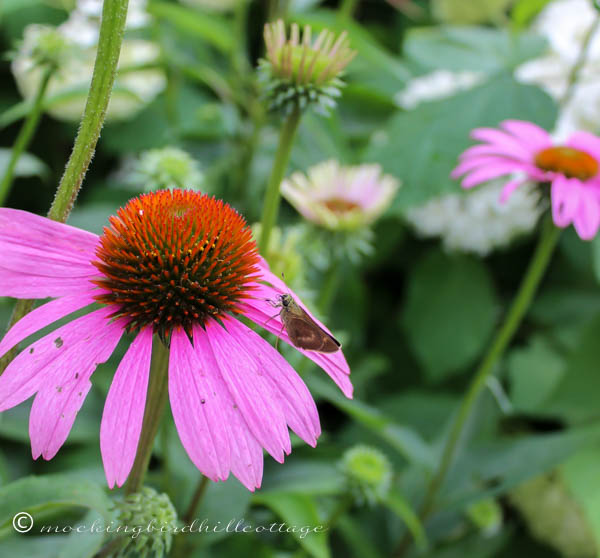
<point>173,259</point>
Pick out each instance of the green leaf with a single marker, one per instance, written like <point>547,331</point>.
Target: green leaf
<point>304,477</point>
<point>299,511</point>
<point>27,165</point>
<point>398,504</point>
<point>575,396</point>
<point>478,49</point>
<point>422,146</point>
<point>580,474</point>
<point>524,11</point>
<point>494,467</point>
<point>212,28</point>
<point>85,544</point>
<point>449,313</point>
<point>534,372</point>
<point>404,440</point>
<point>36,495</point>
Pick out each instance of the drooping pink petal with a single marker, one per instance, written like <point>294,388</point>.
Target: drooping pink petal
<point>565,199</point>
<point>260,311</point>
<point>17,285</point>
<point>43,316</point>
<point>250,391</point>
<point>509,144</point>
<point>26,229</point>
<point>509,188</point>
<point>246,454</point>
<point>487,149</point>
<point>334,364</point>
<point>63,390</point>
<point>487,173</point>
<point>197,404</point>
<point>66,348</point>
<point>295,399</point>
<point>535,136</point>
<point>473,163</point>
<point>123,414</point>
<point>587,217</point>
<point>586,142</point>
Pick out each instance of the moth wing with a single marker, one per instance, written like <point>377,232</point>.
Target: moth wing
<point>305,334</point>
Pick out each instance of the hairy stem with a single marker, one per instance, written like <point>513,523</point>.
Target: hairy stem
<point>114,14</point>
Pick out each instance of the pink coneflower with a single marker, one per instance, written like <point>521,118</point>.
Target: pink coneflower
<point>527,149</point>
<point>180,265</point>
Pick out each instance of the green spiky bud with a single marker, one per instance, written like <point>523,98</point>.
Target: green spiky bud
<point>298,72</point>
<point>149,518</point>
<point>368,473</point>
<point>169,167</point>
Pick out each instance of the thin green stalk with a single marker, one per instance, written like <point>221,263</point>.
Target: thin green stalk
<point>25,135</point>
<point>531,280</point>
<point>330,286</point>
<point>197,497</point>
<point>347,8</point>
<point>272,196</point>
<point>114,14</point>
<point>580,62</point>
<point>156,401</point>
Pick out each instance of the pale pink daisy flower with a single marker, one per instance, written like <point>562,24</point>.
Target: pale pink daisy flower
<point>525,148</point>
<point>338,197</point>
<point>180,265</point>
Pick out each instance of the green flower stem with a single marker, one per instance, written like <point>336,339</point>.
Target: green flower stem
<point>199,493</point>
<point>25,135</point>
<point>114,14</point>
<point>156,401</point>
<point>580,62</point>
<point>330,286</point>
<point>273,196</point>
<point>522,301</point>
<point>347,8</point>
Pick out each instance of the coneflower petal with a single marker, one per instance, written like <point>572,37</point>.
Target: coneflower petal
<point>250,391</point>
<point>123,414</point>
<point>63,392</point>
<point>43,316</point>
<point>296,401</point>
<point>197,404</point>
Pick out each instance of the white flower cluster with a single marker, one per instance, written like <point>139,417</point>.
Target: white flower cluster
<point>565,24</point>
<point>436,85</point>
<point>136,85</point>
<point>476,221</point>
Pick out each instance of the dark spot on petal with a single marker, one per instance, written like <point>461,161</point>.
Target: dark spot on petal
<point>235,406</point>
<point>79,394</point>
<point>202,401</point>
<point>59,388</point>
<point>31,350</point>
<point>76,375</point>
<point>58,342</point>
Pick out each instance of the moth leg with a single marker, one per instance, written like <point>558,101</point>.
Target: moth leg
<point>277,338</point>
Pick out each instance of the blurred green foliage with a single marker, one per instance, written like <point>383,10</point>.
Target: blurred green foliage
<point>414,320</point>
